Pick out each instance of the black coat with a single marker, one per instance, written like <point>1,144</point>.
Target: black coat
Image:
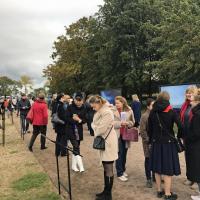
<point>192,142</point>
<point>167,120</point>
<point>81,112</point>
<point>23,107</point>
<point>61,128</point>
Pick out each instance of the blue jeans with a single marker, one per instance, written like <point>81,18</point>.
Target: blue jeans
<point>121,162</point>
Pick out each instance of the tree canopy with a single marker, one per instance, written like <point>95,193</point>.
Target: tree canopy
<point>132,45</point>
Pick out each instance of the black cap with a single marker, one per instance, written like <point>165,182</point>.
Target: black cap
<point>78,96</point>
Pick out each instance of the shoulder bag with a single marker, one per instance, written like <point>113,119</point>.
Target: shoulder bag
<point>99,141</point>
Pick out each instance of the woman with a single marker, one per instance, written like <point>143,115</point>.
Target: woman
<point>145,141</point>
<point>192,142</point>
<point>164,158</point>
<point>103,126</point>
<point>76,115</point>
<point>185,115</point>
<point>136,107</point>
<point>121,106</point>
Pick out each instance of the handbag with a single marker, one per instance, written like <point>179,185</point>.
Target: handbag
<point>130,134</point>
<point>99,142</point>
<point>55,118</point>
<point>30,115</point>
<point>179,145</point>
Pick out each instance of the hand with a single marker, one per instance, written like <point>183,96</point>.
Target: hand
<point>76,118</point>
<point>124,123</point>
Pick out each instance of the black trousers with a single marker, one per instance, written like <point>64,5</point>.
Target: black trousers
<point>62,142</point>
<point>36,131</point>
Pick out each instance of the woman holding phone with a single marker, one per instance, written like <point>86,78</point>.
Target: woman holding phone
<point>123,118</point>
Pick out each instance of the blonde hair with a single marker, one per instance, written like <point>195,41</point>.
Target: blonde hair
<point>124,102</point>
<point>97,99</point>
<point>197,95</point>
<point>163,96</point>
<point>192,89</point>
<point>135,97</point>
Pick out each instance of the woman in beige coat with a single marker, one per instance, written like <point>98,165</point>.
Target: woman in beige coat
<point>120,124</point>
<point>102,125</point>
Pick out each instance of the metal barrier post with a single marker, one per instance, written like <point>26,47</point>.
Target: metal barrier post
<point>58,174</point>
<point>69,176</point>
<point>3,126</point>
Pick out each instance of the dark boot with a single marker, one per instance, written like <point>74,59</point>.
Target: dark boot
<point>32,141</point>
<point>109,184</point>
<point>100,195</point>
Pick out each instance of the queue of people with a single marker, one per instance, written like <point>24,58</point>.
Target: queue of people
<point>110,123</point>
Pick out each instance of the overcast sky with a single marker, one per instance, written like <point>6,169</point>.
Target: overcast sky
<point>28,29</point>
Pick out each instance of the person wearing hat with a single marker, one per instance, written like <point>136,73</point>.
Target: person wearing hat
<point>76,114</point>
<point>39,120</point>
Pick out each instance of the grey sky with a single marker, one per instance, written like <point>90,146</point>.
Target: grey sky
<point>28,29</point>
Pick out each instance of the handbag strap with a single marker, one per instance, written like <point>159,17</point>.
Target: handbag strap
<point>161,126</point>
<point>109,133</point>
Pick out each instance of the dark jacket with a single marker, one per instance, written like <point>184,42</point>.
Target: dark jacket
<point>167,119</point>
<point>136,107</point>
<point>192,142</point>
<point>61,128</point>
<point>23,107</point>
<point>81,112</point>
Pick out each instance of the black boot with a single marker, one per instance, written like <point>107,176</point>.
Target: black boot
<point>32,142</point>
<point>100,195</point>
<point>108,192</point>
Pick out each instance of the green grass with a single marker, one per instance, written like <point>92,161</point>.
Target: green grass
<point>29,181</point>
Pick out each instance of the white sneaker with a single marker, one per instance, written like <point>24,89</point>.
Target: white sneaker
<point>125,174</point>
<point>123,178</point>
<point>196,197</point>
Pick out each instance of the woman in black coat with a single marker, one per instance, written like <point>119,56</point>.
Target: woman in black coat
<point>192,142</point>
<point>164,158</point>
<point>76,116</point>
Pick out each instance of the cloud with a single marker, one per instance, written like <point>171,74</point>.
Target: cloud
<point>28,29</point>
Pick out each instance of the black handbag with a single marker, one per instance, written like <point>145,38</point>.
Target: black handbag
<point>179,145</point>
<point>99,142</point>
<point>55,118</point>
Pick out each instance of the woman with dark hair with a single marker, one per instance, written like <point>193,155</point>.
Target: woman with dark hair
<point>192,142</point>
<point>76,116</point>
<point>164,159</point>
<point>102,125</point>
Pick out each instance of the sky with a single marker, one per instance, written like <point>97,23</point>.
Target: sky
<point>28,29</point>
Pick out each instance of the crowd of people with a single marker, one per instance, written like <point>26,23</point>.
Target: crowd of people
<point>110,122</point>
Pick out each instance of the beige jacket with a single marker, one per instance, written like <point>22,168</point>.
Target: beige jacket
<point>102,123</point>
<point>117,119</point>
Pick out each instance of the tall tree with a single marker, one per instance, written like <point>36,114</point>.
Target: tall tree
<point>26,82</point>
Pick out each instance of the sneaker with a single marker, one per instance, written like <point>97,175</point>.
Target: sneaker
<point>160,194</point>
<point>196,197</point>
<point>43,148</point>
<point>171,197</point>
<point>123,178</point>
<point>187,182</point>
<point>194,186</point>
<point>125,174</point>
<point>149,184</point>
<point>30,149</point>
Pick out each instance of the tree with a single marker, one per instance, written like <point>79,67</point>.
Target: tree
<point>26,82</point>
<point>8,86</point>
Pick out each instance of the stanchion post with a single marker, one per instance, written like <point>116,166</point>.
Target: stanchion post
<point>58,174</point>
<point>69,176</point>
<point>3,126</point>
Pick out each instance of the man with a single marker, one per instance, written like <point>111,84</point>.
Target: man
<point>23,108</point>
<point>39,121</point>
